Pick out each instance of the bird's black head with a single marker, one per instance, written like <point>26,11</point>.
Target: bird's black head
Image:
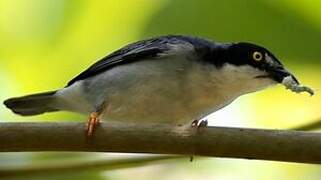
<point>259,58</point>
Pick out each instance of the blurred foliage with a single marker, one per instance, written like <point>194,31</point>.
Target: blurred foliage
<point>44,43</point>
<point>63,166</point>
<point>278,28</point>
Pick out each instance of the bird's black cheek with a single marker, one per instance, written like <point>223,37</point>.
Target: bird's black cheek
<point>264,66</point>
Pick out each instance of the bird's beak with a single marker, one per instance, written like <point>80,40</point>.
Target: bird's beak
<point>281,75</point>
<point>278,73</point>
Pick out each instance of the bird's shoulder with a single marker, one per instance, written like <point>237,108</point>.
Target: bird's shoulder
<point>147,49</point>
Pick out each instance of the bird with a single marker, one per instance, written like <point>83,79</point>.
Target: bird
<point>173,79</point>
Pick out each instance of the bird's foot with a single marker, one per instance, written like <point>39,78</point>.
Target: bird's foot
<point>199,123</point>
<point>195,123</point>
<point>203,123</point>
<point>92,124</point>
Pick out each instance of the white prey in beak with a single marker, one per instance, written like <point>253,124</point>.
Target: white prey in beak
<point>291,84</point>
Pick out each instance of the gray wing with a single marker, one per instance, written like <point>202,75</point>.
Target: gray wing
<point>151,48</point>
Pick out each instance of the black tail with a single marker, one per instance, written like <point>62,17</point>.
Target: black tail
<point>32,104</point>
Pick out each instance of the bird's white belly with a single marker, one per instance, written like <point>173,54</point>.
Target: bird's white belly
<point>154,92</point>
<point>173,96</point>
<point>147,104</point>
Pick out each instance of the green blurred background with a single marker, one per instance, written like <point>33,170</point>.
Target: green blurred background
<point>44,43</point>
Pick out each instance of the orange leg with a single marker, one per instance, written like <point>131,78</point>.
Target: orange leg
<point>92,124</point>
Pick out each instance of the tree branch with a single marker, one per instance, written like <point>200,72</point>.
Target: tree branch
<point>279,145</point>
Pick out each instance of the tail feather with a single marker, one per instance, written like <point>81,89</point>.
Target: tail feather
<point>32,104</point>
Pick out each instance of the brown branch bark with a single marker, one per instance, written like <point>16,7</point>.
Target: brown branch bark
<point>278,145</point>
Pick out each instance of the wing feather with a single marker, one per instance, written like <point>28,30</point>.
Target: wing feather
<point>133,52</point>
<point>151,48</point>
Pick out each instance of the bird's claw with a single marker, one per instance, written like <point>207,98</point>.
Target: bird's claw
<point>203,123</point>
<point>195,123</point>
<point>199,124</point>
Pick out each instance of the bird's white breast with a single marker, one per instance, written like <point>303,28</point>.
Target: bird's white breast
<point>168,90</point>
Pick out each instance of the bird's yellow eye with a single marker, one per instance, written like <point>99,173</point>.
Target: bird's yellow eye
<point>257,56</point>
